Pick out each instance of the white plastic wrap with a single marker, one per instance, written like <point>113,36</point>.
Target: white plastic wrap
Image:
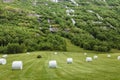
<point>88,59</point>
<point>3,61</point>
<point>17,65</point>
<point>69,60</point>
<point>52,64</point>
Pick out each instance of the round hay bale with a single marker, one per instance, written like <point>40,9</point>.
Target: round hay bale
<point>17,65</point>
<point>118,57</point>
<point>3,61</point>
<point>108,55</point>
<point>52,64</point>
<point>27,53</point>
<point>55,53</point>
<point>85,54</point>
<point>88,59</point>
<point>69,60</point>
<point>39,56</point>
<point>95,57</point>
<point>4,56</point>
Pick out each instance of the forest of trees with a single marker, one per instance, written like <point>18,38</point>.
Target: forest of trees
<point>26,27</point>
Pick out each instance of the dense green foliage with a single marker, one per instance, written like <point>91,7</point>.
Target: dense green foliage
<point>43,25</point>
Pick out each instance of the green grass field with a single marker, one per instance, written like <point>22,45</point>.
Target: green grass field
<point>37,69</point>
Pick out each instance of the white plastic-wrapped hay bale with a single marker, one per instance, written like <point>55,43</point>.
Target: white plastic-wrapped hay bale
<point>69,60</point>
<point>55,53</point>
<point>4,56</point>
<point>27,53</point>
<point>118,57</point>
<point>52,64</point>
<point>85,54</point>
<point>17,65</point>
<point>3,61</point>
<point>108,55</point>
<point>95,57</point>
<point>88,59</point>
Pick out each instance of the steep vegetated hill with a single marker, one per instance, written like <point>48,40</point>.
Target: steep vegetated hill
<point>29,25</point>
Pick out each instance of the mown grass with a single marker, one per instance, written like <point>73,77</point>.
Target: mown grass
<point>37,69</point>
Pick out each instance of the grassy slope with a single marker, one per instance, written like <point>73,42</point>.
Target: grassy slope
<point>37,69</point>
<point>72,48</point>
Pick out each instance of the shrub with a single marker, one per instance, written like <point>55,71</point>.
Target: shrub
<point>3,49</point>
<point>16,48</point>
<point>102,48</point>
<point>39,56</point>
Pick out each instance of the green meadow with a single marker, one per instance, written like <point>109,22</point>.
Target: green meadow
<point>34,68</point>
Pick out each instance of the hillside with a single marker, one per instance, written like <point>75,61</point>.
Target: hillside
<point>34,25</point>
